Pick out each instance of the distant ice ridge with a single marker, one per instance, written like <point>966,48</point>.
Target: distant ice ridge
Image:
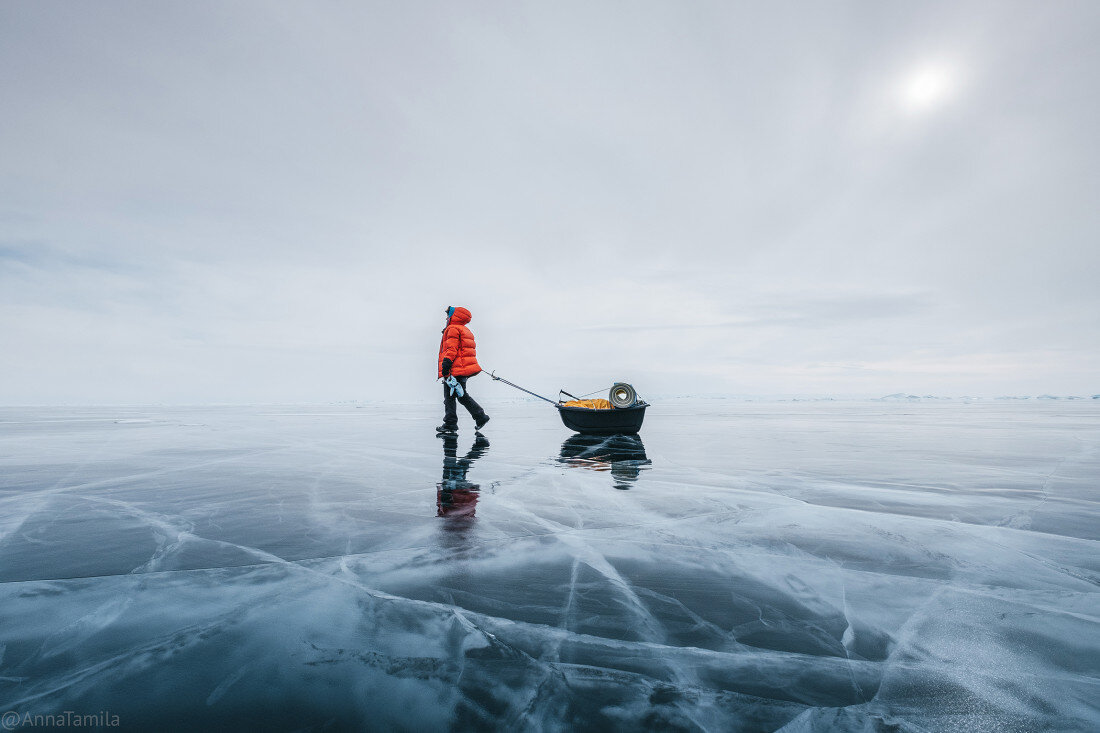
<point>895,397</point>
<point>903,397</point>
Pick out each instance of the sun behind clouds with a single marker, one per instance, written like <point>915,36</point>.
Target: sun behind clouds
<point>929,86</point>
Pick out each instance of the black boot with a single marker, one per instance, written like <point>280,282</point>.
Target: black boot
<point>446,429</point>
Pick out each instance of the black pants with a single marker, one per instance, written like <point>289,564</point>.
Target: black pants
<point>450,412</point>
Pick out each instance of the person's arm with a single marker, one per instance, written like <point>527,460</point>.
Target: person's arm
<point>450,349</point>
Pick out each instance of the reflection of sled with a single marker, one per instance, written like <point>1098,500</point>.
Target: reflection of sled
<point>622,455</point>
<point>623,416</point>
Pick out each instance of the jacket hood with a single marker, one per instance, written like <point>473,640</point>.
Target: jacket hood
<point>461,316</point>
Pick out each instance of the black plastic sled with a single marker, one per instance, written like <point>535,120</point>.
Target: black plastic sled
<point>616,421</point>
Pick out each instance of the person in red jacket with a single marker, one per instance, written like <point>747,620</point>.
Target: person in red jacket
<point>458,359</point>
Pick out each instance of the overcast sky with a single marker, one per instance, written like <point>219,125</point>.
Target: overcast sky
<point>275,201</point>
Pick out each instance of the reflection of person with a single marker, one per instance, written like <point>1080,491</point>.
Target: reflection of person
<point>458,359</point>
<point>623,455</point>
<point>455,496</point>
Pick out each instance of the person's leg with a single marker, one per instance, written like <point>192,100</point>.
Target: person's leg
<point>470,404</point>
<point>450,412</point>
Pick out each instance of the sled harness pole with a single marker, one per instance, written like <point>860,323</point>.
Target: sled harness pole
<point>521,389</point>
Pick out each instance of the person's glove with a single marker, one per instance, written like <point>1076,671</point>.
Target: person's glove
<point>447,364</point>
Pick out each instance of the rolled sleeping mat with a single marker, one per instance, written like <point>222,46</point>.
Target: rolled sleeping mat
<point>622,395</point>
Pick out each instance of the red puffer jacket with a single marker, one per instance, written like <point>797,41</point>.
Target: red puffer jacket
<point>458,345</point>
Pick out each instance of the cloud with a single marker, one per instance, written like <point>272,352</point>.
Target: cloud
<point>806,313</point>
<point>269,201</point>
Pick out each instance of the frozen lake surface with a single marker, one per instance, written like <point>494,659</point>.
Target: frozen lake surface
<point>740,567</point>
